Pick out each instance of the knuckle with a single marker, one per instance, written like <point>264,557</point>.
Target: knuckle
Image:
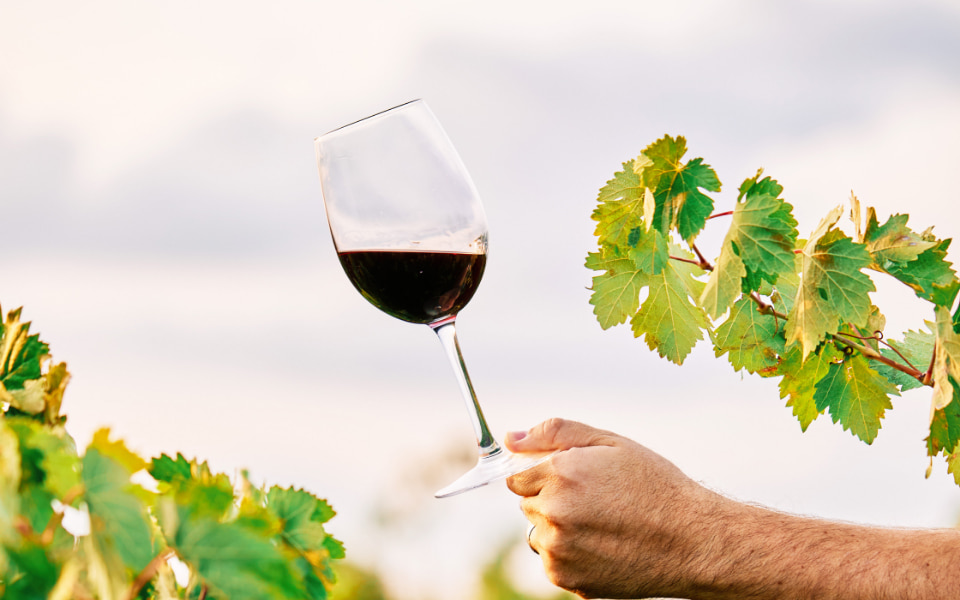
<point>552,427</point>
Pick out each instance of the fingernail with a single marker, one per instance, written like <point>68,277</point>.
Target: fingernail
<point>516,436</point>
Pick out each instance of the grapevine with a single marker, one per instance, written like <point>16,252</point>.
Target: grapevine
<point>776,305</point>
<point>138,520</point>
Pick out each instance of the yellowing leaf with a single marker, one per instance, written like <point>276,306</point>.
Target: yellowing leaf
<point>723,287</point>
<point>616,293</point>
<point>668,320</point>
<point>833,290</point>
<point>620,206</point>
<point>117,450</point>
<point>893,241</point>
<point>946,361</point>
<point>751,340</point>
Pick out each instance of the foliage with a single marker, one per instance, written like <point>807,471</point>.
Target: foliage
<point>140,520</point>
<point>497,584</point>
<point>773,304</point>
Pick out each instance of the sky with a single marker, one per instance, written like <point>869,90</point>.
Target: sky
<point>163,228</point>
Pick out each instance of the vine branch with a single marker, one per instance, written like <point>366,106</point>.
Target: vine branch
<point>720,214</point>
<point>765,308</point>
<point>844,338</point>
<point>148,572</point>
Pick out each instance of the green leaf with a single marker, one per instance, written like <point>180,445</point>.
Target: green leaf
<point>945,426</point>
<point>295,509</point>
<point>616,293</point>
<point>164,468</point>
<point>856,396</point>
<point>763,228</point>
<point>676,187</point>
<point>32,573</point>
<point>21,354</point>
<point>649,250</point>
<point>917,348</point>
<point>302,516</point>
<point>323,512</point>
<point>669,320</point>
<point>930,276</point>
<point>800,378</point>
<point>751,340</point>
<point>833,290</point>
<point>235,561</point>
<point>118,517</point>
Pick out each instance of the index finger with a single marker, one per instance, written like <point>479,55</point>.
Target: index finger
<point>531,482</point>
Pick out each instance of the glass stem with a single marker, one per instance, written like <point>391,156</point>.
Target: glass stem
<point>447,333</point>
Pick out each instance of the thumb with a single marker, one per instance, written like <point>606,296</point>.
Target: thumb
<point>557,434</point>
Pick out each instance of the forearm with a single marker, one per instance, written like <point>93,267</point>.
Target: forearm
<point>757,553</point>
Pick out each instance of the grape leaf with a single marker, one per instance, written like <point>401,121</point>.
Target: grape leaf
<point>302,515</point>
<point>616,293</point>
<point>164,468</point>
<point>832,288</point>
<point>953,466</point>
<point>235,561</point>
<point>785,291</point>
<point>723,286</point>
<point>856,396</point>
<point>21,354</point>
<point>50,455</point>
<point>649,250</point>
<point>9,483</point>
<point>892,242</point>
<point>930,276</point>
<point>800,378</point>
<point>295,509</point>
<point>758,246</point>
<point>945,426</point>
<point>763,228</point>
<point>620,207</point>
<point>751,340</point>
<point>670,322</point>
<point>676,187</point>
<point>32,573</point>
<point>946,361</point>
<point>917,349</point>
<point>118,517</point>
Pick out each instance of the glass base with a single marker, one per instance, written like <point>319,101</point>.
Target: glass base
<point>492,468</point>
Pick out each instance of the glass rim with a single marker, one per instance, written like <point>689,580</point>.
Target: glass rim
<point>368,117</point>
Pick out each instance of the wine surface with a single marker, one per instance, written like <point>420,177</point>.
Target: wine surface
<point>416,286</point>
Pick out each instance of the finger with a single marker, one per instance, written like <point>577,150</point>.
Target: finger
<point>530,482</point>
<point>558,434</point>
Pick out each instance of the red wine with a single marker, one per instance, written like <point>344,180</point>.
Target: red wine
<point>416,286</point>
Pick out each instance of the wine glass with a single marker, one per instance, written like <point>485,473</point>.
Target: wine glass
<point>411,234</point>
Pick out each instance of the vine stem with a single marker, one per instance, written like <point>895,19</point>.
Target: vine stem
<point>870,353</point>
<point>720,214</point>
<point>928,376</point>
<point>766,308</point>
<point>704,263</point>
<point>148,572</point>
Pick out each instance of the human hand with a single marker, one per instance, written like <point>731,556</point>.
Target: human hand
<point>613,518</point>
